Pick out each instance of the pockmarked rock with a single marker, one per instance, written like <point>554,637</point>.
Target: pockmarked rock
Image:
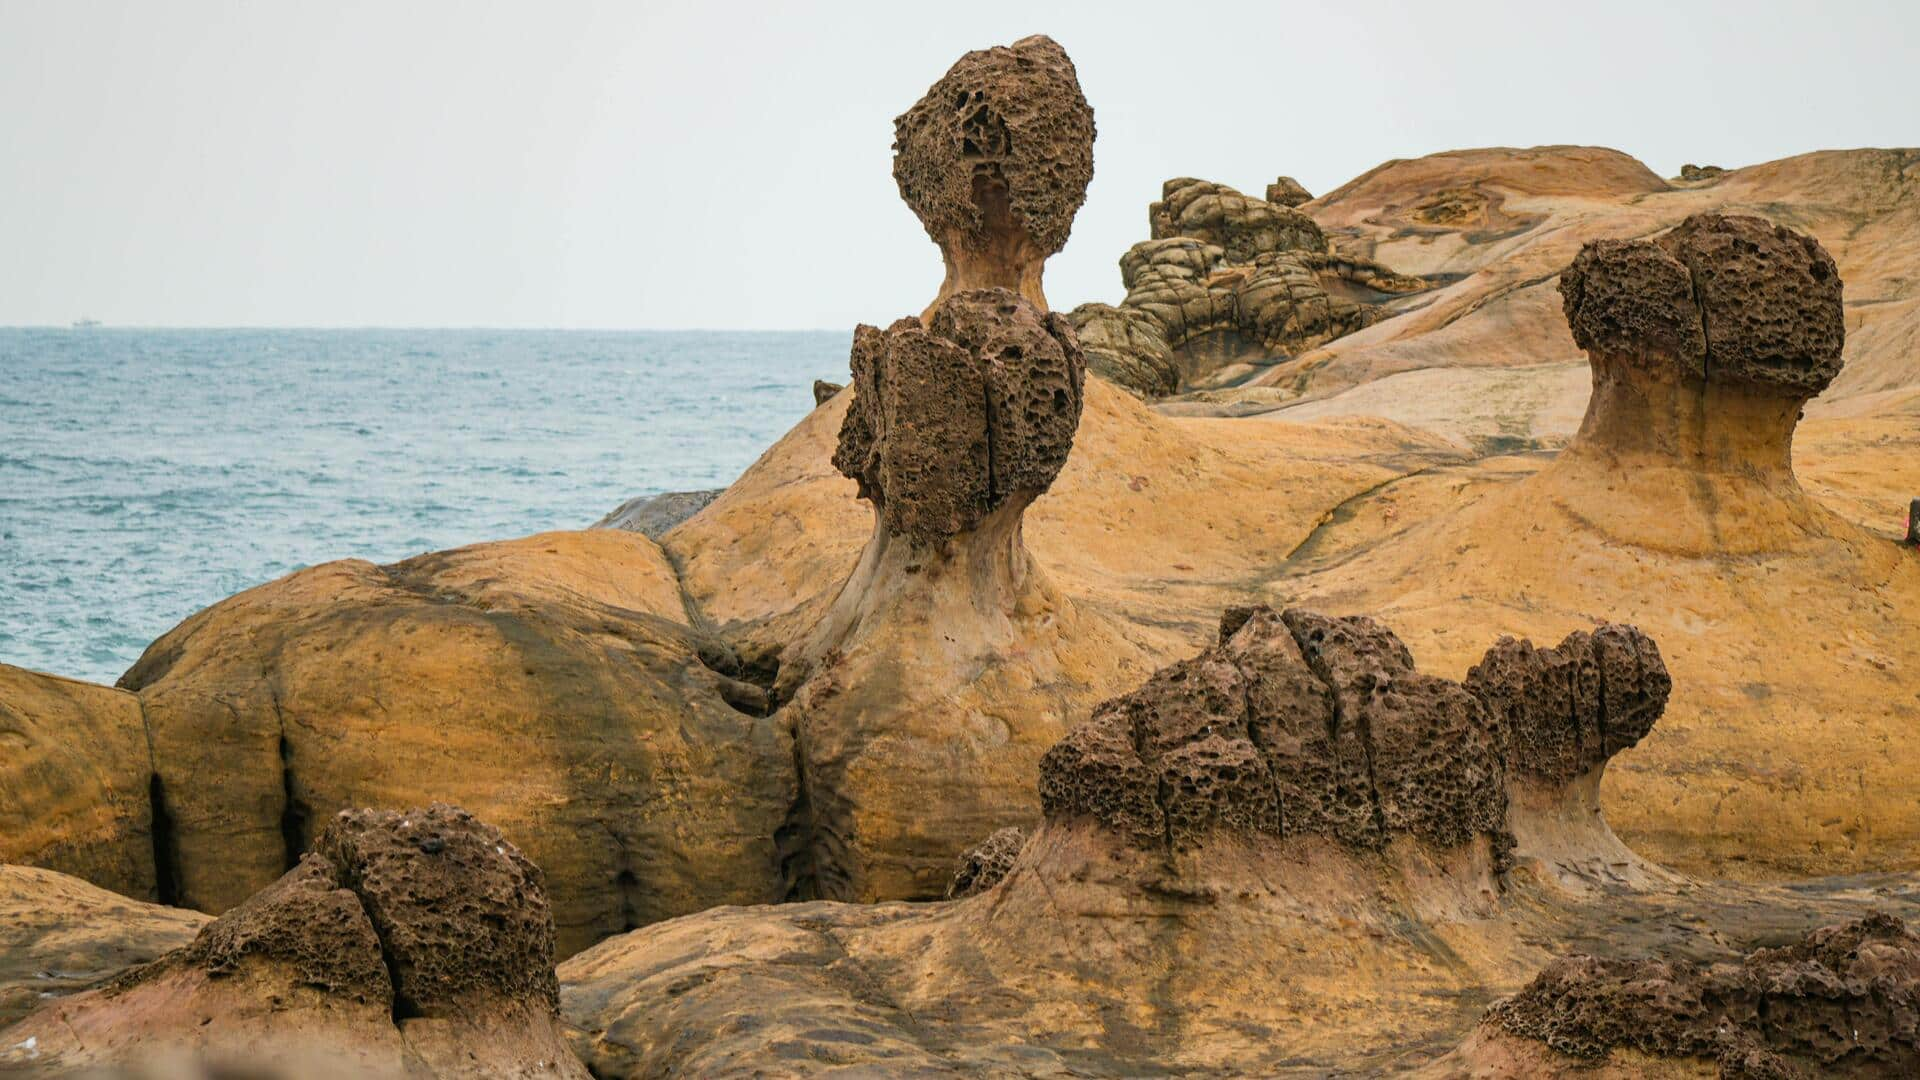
<point>407,943</point>
<point>995,161</point>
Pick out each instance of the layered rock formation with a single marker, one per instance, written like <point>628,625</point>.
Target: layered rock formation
<point>995,160</point>
<point>1226,281</point>
<point>1842,1001</point>
<point>409,943</point>
<point>1244,865</point>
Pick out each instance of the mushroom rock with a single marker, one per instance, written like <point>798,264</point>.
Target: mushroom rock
<point>1291,852</point>
<point>74,781</point>
<point>995,160</point>
<point>1227,280</point>
<point>1842,1001</point>
<point>1706,342</point>
<point>410,943</point>
<point>948,662</point>
<point>548,684</point>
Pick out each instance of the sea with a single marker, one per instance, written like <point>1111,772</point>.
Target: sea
<point>146,474</point>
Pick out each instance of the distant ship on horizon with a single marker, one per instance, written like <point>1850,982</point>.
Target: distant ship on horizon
<point>85,324</point>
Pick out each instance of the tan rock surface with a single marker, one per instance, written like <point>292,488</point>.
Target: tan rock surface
<point>74,772</point>
<point>547,682</point>
<point>60,935</point>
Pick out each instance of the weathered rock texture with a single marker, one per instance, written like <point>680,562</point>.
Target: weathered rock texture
<point>1282,857</point>
<point>407,943</point>
<point>952,421</point>
<point>948,662</point>
<point>1843,1001</point>
<point>653,515</point>
<point>1286,191</point>
<point>984,864</point>
<point>547,684</point>
<point>74,781</point>
<point>1227,280</point>
<point>1297,724</point>
<point>61,935</point>
<point>995,160</point>
<point>1706,342</point>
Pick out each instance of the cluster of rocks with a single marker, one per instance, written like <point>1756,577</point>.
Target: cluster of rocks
<point>1297,723</point>
<point>1228,280</point>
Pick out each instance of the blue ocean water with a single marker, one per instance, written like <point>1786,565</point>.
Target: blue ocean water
<point>145,474</point>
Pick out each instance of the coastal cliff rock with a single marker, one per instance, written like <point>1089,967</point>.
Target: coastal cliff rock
<point>995,160</point>
<point>546,683</point>
<point>74,781</point>
<point>1227,280</point>
<point>1240,863</point>
<point>406,943</point>
<point>1843,1001</point>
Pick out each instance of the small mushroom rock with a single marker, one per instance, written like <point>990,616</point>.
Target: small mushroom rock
<point>995,160</point>
<point>984,864</point>
<point>407,943</point>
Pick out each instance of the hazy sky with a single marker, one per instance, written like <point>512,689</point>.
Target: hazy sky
<point>649,164</point>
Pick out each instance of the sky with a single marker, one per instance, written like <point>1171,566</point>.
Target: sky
<point>727,165</point>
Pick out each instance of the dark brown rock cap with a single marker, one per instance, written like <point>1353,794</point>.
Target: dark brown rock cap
<point>955,419</point>
<point>428,910</point>
<point>1726,299</point>
<point>1843,1001</point>
<point>1297,723</point>
<point>1011,118</point>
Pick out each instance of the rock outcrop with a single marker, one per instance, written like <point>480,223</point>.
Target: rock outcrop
<point>995,160</point>
<point>1286,191</point>
<point>947,663</point>
<point>1226,281</point>
<point>75,779</point>
<point>406,943</point>
<point>1843,1001</point>
<point>653,516</point>
<point>60,935</point>
<point>548,684</point>
<point>1290,851</point>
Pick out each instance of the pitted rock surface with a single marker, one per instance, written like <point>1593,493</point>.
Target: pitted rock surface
<point>1300,723</point>
<point>984,864</point>
<point>1843,1001</point>
<point>1562,712</point>
<point>954,420</point>
<point>308,920</point>
<point>462,916</point>
<point>1010,118</point>
<point>1725,298</point>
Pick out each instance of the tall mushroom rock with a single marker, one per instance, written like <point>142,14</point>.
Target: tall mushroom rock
<point>948,663</point>
<point>1705,343</point>
<point>995,160</point>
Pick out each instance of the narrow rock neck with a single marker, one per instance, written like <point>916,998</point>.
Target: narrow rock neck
<point>1704,427</point>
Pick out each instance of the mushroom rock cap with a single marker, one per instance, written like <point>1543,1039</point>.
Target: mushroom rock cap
<point>996,159</point>
<point>1723,299</point>
<point>953,420</point>
<point>1297,723</point>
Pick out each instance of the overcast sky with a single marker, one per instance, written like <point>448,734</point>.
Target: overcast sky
<point>649,164</point>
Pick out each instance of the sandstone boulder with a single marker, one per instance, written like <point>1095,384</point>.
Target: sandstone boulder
<point>406,943</point>
<point>60,935</point>
<point>548,683</point>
